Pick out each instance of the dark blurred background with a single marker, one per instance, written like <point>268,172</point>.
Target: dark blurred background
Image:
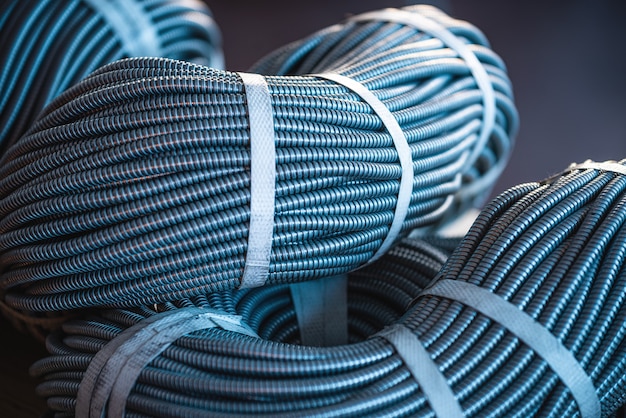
<point>566,60</point>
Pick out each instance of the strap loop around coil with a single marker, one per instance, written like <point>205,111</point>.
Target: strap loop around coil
<point>437,30</point>
<point>531,332</point>
<point>424,370</point>
<point>610,166</point>
<point>262,181</point>
<point>113,371</point>
<point>321,308</point>
<point>404,155</point>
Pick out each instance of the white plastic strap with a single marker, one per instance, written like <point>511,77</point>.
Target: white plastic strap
<point>262,181</point>
<point>610,166</point>
<point>402,147</point>
<point>114,370</point>
<point>531,332</point>
<point>437,30</point>
<point>321,307</point>
<point>131,23</point>
<point>424,370</point>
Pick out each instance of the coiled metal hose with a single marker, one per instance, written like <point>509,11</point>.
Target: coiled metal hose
<point>554,250</point>
<point>133,186</point>
<point>377,296</point>
<point>48,45</point>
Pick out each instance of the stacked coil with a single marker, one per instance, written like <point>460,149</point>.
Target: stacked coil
<point>214,372</point>
<point>133,186</point>
<point>47,46</point>
<point>549,254</point>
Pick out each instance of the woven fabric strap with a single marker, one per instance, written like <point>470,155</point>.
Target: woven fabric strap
<point>609,166</point>
<point>112,373</point>
<point>321,308</point>
<point>438,31</point>
<point>262,181</point>
<point>424,370</point>
<point>131,23</point>
<point>531,332</point>
<point>404,155</point>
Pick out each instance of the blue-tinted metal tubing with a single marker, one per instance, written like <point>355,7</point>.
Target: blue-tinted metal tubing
<point>49,45</point>
<point>133,185</point>
<point>555,249</point>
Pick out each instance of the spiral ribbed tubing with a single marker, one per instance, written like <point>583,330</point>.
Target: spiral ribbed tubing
<point>133,187</point>
<point>554,249</point>
<point>377,296</point>
<point>49,45</point>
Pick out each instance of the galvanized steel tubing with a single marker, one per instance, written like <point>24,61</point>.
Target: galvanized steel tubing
<point>47,46</point>
<point>552,250</point>
<point>133,186</point>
